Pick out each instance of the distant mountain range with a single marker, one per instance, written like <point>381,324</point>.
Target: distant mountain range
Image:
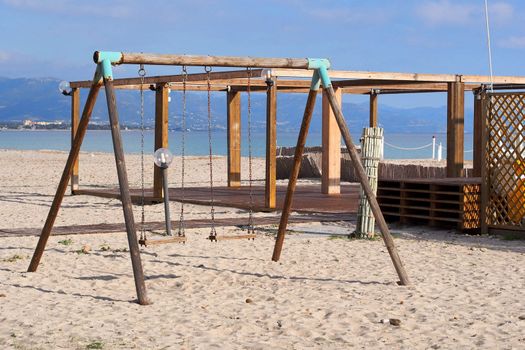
<point>40,100</point>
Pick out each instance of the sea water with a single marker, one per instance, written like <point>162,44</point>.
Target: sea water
<point>398,146</point>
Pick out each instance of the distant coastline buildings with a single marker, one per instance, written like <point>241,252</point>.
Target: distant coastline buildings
<point>31,123</point>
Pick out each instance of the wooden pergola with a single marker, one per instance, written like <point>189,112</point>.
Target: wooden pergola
<point>275,81</point>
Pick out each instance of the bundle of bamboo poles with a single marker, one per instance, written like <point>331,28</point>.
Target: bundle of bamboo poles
<point>371,145</point>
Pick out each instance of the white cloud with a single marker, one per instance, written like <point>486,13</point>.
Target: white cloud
<point>513,42</point>
<point>98,8</point>
<point>445,12</point>
<point>346,15</point>
<point>4,56</point>
<point>339,11</point>
<point>462,13</point>
<point>501,11</point>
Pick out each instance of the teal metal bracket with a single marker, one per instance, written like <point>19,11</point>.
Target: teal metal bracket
<point>316,82</point>
<point>107,72</point>
<point>325,78</point>
<point>104,60</point>
<point>320,66</point>
<point>316,63</point>
<point>113,57</point>
<point>98,74</point>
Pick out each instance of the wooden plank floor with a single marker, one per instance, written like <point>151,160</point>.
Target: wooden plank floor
<point>160,225</point>
<point>307,198</point>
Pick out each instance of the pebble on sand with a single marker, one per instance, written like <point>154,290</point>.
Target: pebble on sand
<point>395,322</point>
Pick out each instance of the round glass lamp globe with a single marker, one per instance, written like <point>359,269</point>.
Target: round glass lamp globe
<point>163,157</point>
<point>64,87</point>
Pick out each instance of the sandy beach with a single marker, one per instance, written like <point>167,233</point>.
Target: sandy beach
<point>327,292</point>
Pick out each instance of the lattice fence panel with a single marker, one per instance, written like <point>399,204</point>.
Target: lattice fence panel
<point>505,160</point>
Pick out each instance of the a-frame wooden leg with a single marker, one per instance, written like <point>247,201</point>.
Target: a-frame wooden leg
<point>270,188</point>
<point>363,179</point>
<point>125,196</point>
<point>287,206</point>
<point>64,180</point>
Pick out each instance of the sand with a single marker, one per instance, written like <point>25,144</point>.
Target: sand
<point>326,293</point>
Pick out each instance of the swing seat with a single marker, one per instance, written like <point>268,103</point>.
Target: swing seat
<point>225,238</point>
<point>151,242</point>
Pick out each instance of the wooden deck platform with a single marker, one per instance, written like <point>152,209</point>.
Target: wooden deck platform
<point>307,198</point>
<point>448,202</point>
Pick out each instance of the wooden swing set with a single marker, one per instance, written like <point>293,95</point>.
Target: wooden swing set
<point>104,76</point>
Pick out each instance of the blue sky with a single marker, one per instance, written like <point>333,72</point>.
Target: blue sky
<point>57,38</point>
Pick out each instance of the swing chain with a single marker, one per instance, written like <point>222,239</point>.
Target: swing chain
<point>142,74</point>
<point>213,232</point>
<point>251,229</point>
<point>182,228</point>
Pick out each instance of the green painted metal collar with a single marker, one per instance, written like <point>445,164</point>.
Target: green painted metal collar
<point>316,82</point>
<point>104,60</point>
<point>113,57</point>
<point>325,78</point>
<point>98,75</point>
<point>107,71</point>
<point>316,63</point>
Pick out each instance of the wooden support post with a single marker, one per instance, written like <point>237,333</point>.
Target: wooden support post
<point>64,180</point>
<point>331,141</point>
<point>234,138</point>
<point>455,128</point>
<point>287,206</point>
<point>75,119</point>
<point>270,189</point>
<point>485,173</point>
<point>161,134</point>
<point>477,144</point>
<point>125,196</point>
<point>367,189</point>
<point>373,109</point>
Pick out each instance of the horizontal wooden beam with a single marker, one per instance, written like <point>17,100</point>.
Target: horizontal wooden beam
<point>508,86</point>
<point>222,85</point>
<point>288,87</point>
<point>225,75</point>
<point>288,83</point>
<point>174,87</point>
<point>500,79</point>
<point>280,89</point>
<point>201,87</point>
<point>444,78</point>
<point>397,85</point>
<point>404,88</point>
<point>379,82</point>
<point>401,91</point>
<point>339,74</point>
<point>212,61</point>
